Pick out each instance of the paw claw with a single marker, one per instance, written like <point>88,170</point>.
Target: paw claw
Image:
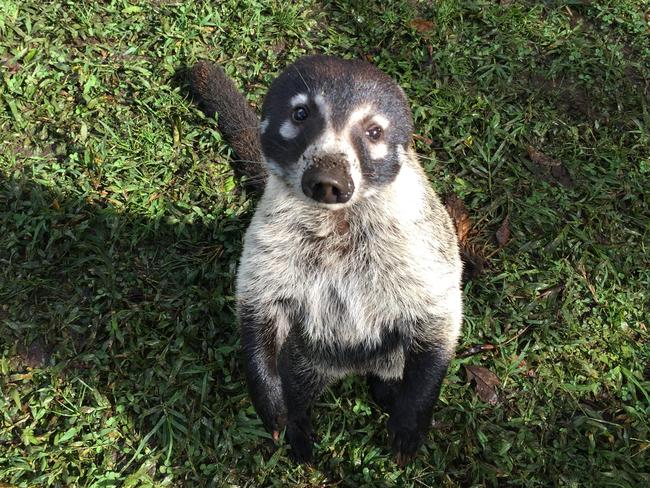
<point>406,441</point>
<point>403,459</point>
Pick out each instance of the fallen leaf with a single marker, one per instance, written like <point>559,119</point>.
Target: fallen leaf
<point>279,46</point>
<point>503,234</point>
<point>459,215</point>
<point>542,159</point>
<point>558,171</point>
<point>561,174</point>
<point>485,382</point>
<point>422,25</point>
<point>35,355</point>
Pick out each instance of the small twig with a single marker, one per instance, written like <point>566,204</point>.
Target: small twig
<point>517,335</point>
<point>590,287</point>
<point>640,450</point>
<point>424,139</point>
<point>478,349</point>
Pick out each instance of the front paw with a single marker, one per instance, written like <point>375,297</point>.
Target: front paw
<point>273,422</point>
<point>300,435</point>
<point>407,437</point>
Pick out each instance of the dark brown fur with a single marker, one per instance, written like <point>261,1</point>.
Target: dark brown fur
<point>217,94</point>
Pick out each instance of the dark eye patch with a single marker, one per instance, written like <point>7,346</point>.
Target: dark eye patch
<point>306,120</point>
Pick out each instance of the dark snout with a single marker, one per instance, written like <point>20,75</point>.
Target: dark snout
<point>328,180</point>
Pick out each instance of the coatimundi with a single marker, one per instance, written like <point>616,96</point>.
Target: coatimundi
<point>350,263</point>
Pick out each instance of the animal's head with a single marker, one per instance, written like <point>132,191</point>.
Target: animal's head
<point>335,130</point>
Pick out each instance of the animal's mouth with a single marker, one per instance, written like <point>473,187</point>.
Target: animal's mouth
<point>327,180</point>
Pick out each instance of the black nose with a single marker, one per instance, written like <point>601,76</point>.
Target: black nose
<point>327,180</point>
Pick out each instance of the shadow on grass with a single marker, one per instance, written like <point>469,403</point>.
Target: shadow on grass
<point>140,310</point>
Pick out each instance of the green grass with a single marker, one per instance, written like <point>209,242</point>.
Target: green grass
<point>121,226</point>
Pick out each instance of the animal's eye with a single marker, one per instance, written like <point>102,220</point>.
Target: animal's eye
<point>300,113</point>
<point>374,133</point>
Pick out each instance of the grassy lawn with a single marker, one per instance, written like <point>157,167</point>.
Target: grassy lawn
<point>121,226</point>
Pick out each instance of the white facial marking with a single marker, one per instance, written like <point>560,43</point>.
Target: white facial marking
<point>323,107</point>
<point>288,130</point>
<point>378,151</point>
<point>299,99</point>
<point>357,116</point>
<point>381,121</point>
<point>264,125</point>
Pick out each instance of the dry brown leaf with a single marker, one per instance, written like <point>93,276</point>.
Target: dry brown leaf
<point>503,234</point>
<point>35,355</point>
<point>562,176</point>
<point>485,383</point>
<point>473,259</point>
<point>279,46</point>
<point>459,215</point>
<point>538,157</point>
<point>423,26</point>
<point>558,171</point>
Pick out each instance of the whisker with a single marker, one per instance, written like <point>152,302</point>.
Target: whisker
<point>303,79</point>
<point>254,180</point>
<point>249,161</point>
<point>242,129</point>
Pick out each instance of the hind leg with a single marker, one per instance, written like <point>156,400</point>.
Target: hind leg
<point>410,416</point>
<point>383,392</point>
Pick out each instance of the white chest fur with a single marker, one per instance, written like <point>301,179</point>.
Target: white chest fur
<point>355,273</point>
